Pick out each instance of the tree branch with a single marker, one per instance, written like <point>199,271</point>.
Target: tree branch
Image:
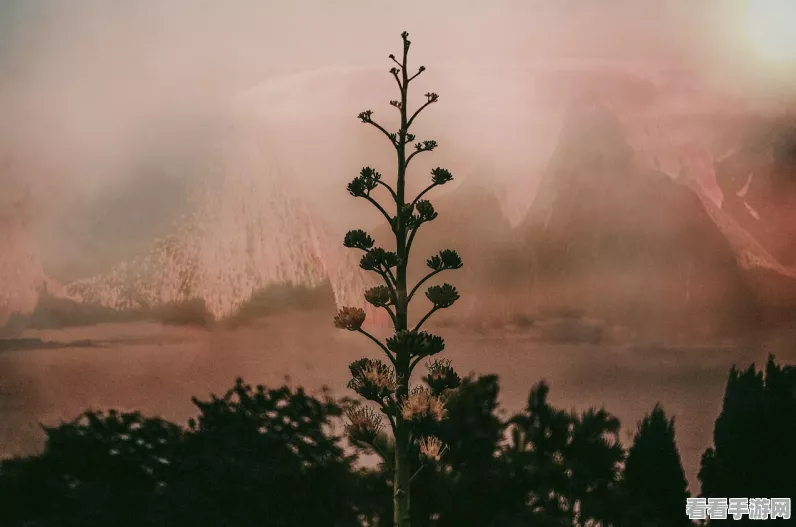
<point>389,311</point>
<point>393,425</point>
<point>418,471</point>
<point>382,346</point>
<point>388,281</point>
<point>388,187</point>
<point>412,238</point>
<point>392,277</point>
<point>417,112</point>
<point>385,132</point>
<point>413,154</point>
<point>421,282</point>
<point>378,206</point>
<point>419,71</point>
<point>433,310</point>
<point>414,363</point>
<point>379,451</point>
<point>431,186</point>
<point>397,80</point>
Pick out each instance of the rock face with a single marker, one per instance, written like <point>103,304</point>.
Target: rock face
<point>248,230</point>
<point>624,243</point>
<point>758,211</point>
<point>758,183</point>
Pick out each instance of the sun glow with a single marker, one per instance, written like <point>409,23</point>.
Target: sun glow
<point>772,28</point>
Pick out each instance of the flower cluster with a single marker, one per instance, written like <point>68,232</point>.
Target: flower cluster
<point>421,403</point>
<point>442,296</point>
<point>372,379</point>
<point>363,184</point>
<point>378,296</point>
<point>358,239</point>
<point>415,343</point>
<point>432,448</point>
<point>350,318</point>
<point>432,97</point>
<point>440,176</point>
<point>377,259</point>
<point>426,210</point>
<point>441,376</point>
<point>364,424</point>
<point>445,260</point>
<point>426,146</point>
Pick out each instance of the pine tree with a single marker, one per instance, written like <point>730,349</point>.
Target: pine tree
<point>654,484</point>
<point>411,412</point>
<point>754,436</point>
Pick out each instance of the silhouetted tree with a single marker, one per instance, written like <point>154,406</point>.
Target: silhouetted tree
<point>753,452</point>
<point>478,489</point>
<point>263,456</point>
<point>255,456</point>
<point>410,411</point>
<point>570,462</point>
<point>654,488</point>
<point>98,470</point>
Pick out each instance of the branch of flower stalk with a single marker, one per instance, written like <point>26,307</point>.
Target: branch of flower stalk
<point>379,451</point>
<point>378,206</point>
<point>423,193</point>
<point>382,346</point>
<point>419,71</point>
<point>417,112</point>
<point>421,282</point>
<point>389,417</point>
<point>389,311</point>
<point>412,238</point>
<point>389,281</point>
<point>397,80</point>
<point>414,363</point>
<point>413,154</point>
<point>431,312</point>
<point>385,132</point>
<point>418,471</point>
<point>388,187</point>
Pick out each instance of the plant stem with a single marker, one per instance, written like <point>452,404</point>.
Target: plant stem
<point>401,501</point>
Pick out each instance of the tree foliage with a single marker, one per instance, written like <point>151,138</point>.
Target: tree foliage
<point>654,487</point>
<point>754,436</point>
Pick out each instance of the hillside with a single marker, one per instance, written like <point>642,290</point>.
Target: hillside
<point>625,243</point>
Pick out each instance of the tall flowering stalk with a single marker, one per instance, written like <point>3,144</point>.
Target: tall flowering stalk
<point>410,411</point>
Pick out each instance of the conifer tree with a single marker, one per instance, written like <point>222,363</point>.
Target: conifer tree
<point>654,484</point>
<point>411,411</point>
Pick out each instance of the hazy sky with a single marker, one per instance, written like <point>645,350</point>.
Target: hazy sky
<point>85,81</point>
<point>94,92</point>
